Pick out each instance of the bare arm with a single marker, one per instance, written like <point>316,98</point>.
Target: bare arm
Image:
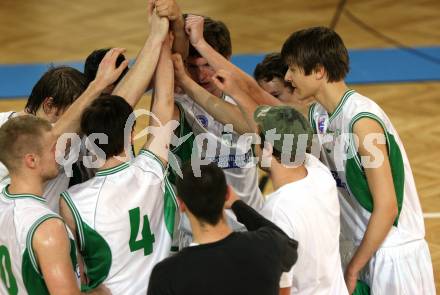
<point>170,9</point>
<point>380,183</point>
<point>107,74</point>
<point>52,249</point>
<point>285,291</point>
<point>136,81</point>
<point>163,106</point>
<point>227,83</point>
<point>194,29</point>
<point>222,111</point>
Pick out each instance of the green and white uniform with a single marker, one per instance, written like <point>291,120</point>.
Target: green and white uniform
<point>20,216</point>
<point>53,188</point>
<point>402,264</point>
<point>227,149</point>
<point>125,220</point>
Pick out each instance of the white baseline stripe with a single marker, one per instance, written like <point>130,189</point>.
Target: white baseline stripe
<point>432,215</point>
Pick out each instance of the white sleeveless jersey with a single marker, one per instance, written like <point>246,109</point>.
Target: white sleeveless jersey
<point>20,216</point>
<point>52,189</point>
<point>339,153</point>
<point>243,180</point>
<point>308,211</point>
<point>125,220</point>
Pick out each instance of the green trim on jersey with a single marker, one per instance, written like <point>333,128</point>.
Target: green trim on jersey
<point>34,281</point>
<point>169,207</point>
<point>340,105</point>
<point>30,236</point>
<point>150,154</point>
<point>94,249</point>
<point>10,196</point>
<point>184,151</point>
<point>311,120</point>
<point>113,170</point>
<point>32,277</point>
<point>355,174</point>
<point>170,199</point>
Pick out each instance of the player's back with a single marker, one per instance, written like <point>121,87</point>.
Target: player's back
<point>308,211</point>
<point>124,218</point>
<point>20,216</point>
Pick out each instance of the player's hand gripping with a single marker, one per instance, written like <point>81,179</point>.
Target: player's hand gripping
<point>194,28</point>
<point>229,83</point>
<point>158,25</point>
<point>108,72</point>
<point>168,9</point>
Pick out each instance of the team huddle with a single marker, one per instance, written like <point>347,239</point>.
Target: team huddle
<point>185,214</point>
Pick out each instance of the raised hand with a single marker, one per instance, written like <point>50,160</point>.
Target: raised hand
<point>179,69</point>
<point>194,28</point>
<point>229,83</point>
<point>168,9</point>
<point>158,25</point>
<point>108,72</point>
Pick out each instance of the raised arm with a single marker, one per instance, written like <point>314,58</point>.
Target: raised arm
<point>233,86</point>
<point>194,29</point>
<point>136,81</point>
<point>221,110</point>
<point>170,9</point>
<point>107,74</point>
<point>161,125</point>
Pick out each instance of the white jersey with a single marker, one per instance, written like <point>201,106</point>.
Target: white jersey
<point>340,155</point>
<point>230,153</point>
<point>20,216</point>
<point>125,220</point>
<point>53,188</point>
<point>308,211</point>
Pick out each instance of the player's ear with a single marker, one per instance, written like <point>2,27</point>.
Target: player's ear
<point>182,206</point>
<point>319,72</point>
<point>30,160</point>
<point>48,106</point>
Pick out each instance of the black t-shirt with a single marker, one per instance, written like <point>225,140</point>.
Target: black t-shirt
<point>242,263</point>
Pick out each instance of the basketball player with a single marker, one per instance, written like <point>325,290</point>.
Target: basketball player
<point>51,96</point>
<point>240,173</point>
<point>123,218</point>
<point>380,208</point>
<point>270,73</point>
<point>305,202</point>
<point>36,253</point>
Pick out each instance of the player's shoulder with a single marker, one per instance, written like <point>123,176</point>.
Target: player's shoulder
<point>5,116</point>
<point>149,162</point>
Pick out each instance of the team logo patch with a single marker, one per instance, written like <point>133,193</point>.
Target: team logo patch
<point>203,120</point>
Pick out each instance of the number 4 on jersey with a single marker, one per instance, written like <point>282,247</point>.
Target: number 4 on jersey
<point>147,240</point>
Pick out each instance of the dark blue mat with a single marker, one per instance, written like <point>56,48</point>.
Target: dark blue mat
<point>366,66</point>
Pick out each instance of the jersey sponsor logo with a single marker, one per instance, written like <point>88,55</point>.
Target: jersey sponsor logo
<point>322,123</point>
<point>339,182</point>
<point>232,161</point>
<point>203,120</point>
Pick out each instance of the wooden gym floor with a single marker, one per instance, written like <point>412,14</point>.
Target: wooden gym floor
<point>60,30</point>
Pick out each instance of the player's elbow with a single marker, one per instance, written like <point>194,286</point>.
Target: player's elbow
<point>388,209</point>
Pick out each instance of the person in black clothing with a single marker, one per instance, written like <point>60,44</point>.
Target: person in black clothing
<point>220,261</point>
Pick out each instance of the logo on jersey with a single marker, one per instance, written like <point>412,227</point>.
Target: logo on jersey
<point>322,123</point>
<point>203,120</point>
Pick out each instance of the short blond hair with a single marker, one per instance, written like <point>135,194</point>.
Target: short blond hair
<point>19,136</point>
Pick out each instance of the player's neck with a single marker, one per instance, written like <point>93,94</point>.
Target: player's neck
<point>280,175</point>
<point>115,161</point>
<point>330,94</point>
<point>26,185</point>
<point>206,233</point>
